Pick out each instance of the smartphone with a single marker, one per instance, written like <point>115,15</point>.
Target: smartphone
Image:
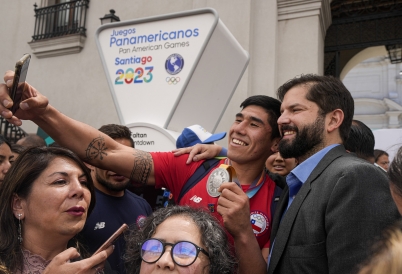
<point>16,91</point>
<point>112,239</point>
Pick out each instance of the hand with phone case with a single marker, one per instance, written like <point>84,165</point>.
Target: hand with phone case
<point>62,263</point>
<point>33,106</point>
<point>20,74</point>
<point>112,239</point>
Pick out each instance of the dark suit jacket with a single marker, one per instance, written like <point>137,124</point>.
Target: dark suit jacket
<point>332,222</point>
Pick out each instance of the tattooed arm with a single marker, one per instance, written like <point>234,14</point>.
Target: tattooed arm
<point>90,144</point>
<point>97,148</point>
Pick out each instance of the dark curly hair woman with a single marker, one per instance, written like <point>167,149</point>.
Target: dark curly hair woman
<point>180,239</point>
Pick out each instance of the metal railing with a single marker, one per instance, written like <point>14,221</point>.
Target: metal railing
<point>61,19</point>
<point>11,132</point>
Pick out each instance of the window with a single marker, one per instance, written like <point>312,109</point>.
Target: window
<point>59,28</point>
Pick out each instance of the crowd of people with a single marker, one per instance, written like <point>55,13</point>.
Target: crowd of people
<point>297,190</point>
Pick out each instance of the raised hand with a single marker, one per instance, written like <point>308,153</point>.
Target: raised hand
<point>61,263</point>
<point>199,152</point>
<point>233,205</point>
<point>33,103</point>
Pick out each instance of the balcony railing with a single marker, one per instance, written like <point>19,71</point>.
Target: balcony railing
<point>11,132</point>
<point>61,19</point>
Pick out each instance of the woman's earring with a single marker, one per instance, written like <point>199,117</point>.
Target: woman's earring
<point>19,228</point>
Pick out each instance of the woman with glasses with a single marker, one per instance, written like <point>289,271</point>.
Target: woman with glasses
<point>181,240</point>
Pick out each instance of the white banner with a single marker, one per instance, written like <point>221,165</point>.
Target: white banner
<point>148,63</point>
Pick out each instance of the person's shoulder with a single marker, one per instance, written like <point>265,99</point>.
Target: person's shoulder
<point>161,154</point>
<point>100,196</point>
<point>134,197</point>
<point>380,168</point>
<point>279,180</point>
<point>166,159</point>
<point>342,159</point>
<point>359,171</point>
<point>351,162</point>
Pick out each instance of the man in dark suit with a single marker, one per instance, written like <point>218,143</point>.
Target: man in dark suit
<point>336,203</point>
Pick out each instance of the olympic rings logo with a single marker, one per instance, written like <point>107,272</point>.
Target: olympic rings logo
<point>172,80</point>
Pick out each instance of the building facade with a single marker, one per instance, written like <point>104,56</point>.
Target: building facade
<point>74,80</point>
<point>284,38</point>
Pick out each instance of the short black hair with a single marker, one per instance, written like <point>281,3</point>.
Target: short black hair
<point>271,105</point>
<point>115,131</point>
<point>329,93</point>
<point>32,140</point>
<point>361,140</point>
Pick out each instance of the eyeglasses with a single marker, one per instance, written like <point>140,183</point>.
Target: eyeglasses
<point>183,253</point>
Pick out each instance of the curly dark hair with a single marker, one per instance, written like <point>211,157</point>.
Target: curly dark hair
<point>214,238</point>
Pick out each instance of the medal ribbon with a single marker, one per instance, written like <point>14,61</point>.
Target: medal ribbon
<point>255,186</point>
<point>231,171</point>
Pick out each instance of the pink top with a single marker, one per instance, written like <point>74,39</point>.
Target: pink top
<point>33,264</point>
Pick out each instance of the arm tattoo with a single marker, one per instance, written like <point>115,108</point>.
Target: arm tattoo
<point>96,148</point>
<point>142,167</point>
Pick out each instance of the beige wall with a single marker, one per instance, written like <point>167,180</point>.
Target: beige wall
<point>280,47</point>
<point>297,60</point>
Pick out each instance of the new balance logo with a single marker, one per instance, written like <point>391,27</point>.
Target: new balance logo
<point>196,199</point>
<point>99,225</point>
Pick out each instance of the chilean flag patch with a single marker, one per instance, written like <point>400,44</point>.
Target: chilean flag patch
<point>259,222</point>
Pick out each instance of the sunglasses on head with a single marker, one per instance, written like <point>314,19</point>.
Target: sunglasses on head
<point>183,253</point>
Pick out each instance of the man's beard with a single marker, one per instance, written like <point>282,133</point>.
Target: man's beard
<point>306,141</point>
<point>113,187</point>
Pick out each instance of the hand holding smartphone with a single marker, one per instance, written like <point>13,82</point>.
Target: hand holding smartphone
<point>16,91</point>
<point>112,239</point>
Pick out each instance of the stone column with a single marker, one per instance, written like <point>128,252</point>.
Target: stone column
<point>263,47</point>
<point>302,26</point>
